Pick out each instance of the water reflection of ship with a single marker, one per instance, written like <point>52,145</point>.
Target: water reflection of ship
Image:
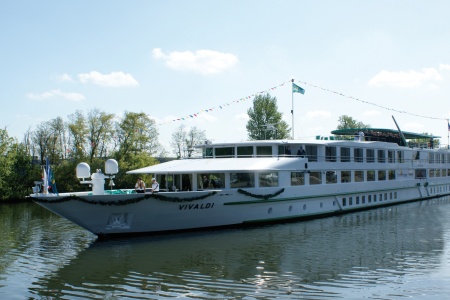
<point>287,258</point>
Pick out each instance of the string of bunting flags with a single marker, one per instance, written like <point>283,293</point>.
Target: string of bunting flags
<point>194,115</point>
<point>367,102</point>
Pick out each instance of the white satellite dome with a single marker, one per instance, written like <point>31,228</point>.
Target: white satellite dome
<point>111,166</point>
<point>83,170</point>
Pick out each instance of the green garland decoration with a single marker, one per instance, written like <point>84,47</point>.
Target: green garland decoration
<point>268,196</point>
<point>125,202</point>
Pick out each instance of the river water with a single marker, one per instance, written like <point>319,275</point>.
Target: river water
<point>394,252</point>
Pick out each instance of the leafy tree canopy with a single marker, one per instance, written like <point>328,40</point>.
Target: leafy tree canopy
<point>265,120</point>
<point>347,122</point>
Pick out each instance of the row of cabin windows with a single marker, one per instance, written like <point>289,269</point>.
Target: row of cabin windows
<point>438,172</point>
<point>357,200</point>
<point>330,177</point>
<point>331,153</point>
<point>311,153</point>
<point>438,158</point>
<point>392,156</point>
<point>439,189</point>
<point>270,179</point>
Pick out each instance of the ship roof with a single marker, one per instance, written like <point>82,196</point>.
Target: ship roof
<point>223,165</point>
<point>406,134</point>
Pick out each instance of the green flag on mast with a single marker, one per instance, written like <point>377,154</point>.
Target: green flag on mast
<point>297,89</point>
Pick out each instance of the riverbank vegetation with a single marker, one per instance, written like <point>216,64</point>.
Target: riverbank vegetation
<point>93,138</point>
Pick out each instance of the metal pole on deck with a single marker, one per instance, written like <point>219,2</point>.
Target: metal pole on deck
<point>292,111</point>
<point>448,134</point>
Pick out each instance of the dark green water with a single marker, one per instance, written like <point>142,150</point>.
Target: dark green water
<point>395,252</point>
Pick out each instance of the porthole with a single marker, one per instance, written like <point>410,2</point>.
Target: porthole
<point>290,208</point>
<point>334,203</point>
<point>304,206</point>
<point>321,204</point>
<point>269,211</point>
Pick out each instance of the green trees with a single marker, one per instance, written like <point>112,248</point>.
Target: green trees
<point>183,140</point>
<point>265,120</point>
<point>93,138</point>
<point>347,122</point>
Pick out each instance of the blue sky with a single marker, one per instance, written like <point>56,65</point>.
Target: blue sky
<point>173,59</point>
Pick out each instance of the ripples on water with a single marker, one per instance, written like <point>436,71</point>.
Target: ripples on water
<point>394,252</point>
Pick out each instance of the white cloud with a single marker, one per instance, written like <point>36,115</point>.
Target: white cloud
<point>205,62</point>
<point>63,78</point>
<point>371,113</point>
<point>318,114</point>
<point>242,117</point>
<point>405,79</point>
<point>444,67</point>
<point>414,127</point>
<point>56,93</point>
<point>114,79</point>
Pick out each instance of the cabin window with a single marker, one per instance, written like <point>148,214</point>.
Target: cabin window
<point>211,180</point>
<point>246,151</point>
<point>284,150</point>
<point>369,198</point>
<point>400,156</point>
<point>431,173</point>
<point>330,153</point>
<point>346,176</point>
<point>371,175</point>
<point>311,152</point>
<point>224,152</point>
<point>350,200</point>
<point>370,155</point>
<point>358,154</point>
<point>331,177</point>
<point>208,153</point>
<point>359,176</point>
<point>345,154</point>
<point>420,173</point>
<point>391,174</point>
<point>391,156</point>
<point>297,178</point>
<point>443,158</point>
<point>381,156</point>
<point>437,172</point>
<point>416,155</point>
<point>381,175</point>
<point>268,179</point>
<point>315,177</point>
<point>437,158</point>
<point>242,180</point>
<point>344,201</point>
<point>363,199</point>
<point>431,158</point>
<point>448,172</point>
<point>186,182</point>
<point>166,182</point>
<point>357,200</point>
<point>264,150</point>
<point>444,172</point>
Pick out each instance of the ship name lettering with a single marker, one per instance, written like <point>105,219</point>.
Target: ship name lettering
<point>196,206</point>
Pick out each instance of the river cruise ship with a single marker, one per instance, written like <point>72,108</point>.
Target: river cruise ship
<point>261,181</point>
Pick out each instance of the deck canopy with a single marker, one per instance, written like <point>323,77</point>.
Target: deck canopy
<point>383,134</point>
